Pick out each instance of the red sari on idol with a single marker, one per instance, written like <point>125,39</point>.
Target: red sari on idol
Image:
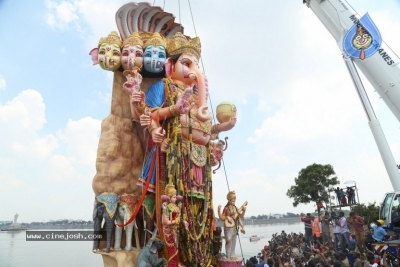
<point>171,235</point>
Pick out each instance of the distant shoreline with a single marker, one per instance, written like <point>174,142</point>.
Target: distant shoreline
<point>219,223</point>
<point>265,221</point>
<point>71,227</point>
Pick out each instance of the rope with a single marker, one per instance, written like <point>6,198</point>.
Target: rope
<point>212,112</point>
<point>146,186</point>
<point>190,166</point>
<point>191,14</point>
<point>237,233</point>
<point>180,17</point>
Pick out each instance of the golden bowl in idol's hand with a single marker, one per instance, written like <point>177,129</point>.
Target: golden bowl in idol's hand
<point>225,111</point>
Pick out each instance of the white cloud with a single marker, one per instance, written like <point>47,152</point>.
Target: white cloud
<point>81,138</point>
<point>47,164</point>
<point>59,168</point>
<point>21,119</point>
<point>3,84</point>
<point>263,105</point>
<point>60,15</point>
<point>244,182</point>
<point>9,184</point>
<point>330,108</point>
<point>79,13</point>
<point>61,198</point>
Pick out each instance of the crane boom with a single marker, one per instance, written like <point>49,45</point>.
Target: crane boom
<point>382,69</point>
<point>359,39</point>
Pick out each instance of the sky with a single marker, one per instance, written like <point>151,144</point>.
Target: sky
<point>273,59</point>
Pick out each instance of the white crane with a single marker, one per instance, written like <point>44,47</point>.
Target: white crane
<point>360,42</point>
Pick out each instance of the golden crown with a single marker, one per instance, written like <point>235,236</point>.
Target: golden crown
<point>155,39</point>
<point>132,40</point>
<point>230,195</point>
<point>112,38</point>
<point>170,190</point>
<point>179,44</point>
<point>145,36</point>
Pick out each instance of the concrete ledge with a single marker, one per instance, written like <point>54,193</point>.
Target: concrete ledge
<point>120,258</point>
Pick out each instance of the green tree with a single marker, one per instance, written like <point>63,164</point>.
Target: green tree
<point>315,178</point>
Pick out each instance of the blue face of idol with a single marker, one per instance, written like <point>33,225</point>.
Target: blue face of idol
<point>154,58</point>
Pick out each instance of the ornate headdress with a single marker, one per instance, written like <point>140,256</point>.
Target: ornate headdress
<point>133,39</point>
<point>110,201</point>
<point>145,36</point>
<point>230,195</point>
<point>155,40</point>
<point>170,190</point>
<point>112,38</point>
<point>179,44</point>
<point>130,200</point>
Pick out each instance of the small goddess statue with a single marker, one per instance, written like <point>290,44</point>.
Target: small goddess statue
<point>171,217</point>
<point>231,216</point>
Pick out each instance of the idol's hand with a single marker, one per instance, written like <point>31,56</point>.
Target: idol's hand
<point>132,83</point>
<point>137,98</point>
<point>182,105</point>
<point>158,135</point>
<point>226,126</point>
<point>164,146</point>
<point>145,119</point>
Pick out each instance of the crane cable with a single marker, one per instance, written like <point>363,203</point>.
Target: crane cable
<point>209,99</point>
<point>213,116</point>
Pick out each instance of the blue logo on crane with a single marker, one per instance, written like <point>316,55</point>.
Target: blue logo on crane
<point>363,39</point>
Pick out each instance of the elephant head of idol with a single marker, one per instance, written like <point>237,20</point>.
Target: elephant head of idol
<point>132,52</point>
<point>108,52</point>
<point>182,67</point>
<point>155,53</point>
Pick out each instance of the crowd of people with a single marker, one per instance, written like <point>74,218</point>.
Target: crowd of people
<point>329,239</point>
<point>347,197</point>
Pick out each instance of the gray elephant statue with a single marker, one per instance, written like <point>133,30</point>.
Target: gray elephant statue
<point>105,206</point>
<point>148,255</point>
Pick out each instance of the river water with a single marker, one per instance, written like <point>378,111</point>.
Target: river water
<point>15,251</point>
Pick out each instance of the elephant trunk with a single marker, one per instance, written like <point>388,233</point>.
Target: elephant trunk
<point>202,86</point>
<point>109,229</point>
<point>131,62</point>
<point>107,62</point>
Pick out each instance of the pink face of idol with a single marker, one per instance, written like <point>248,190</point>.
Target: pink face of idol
<point>173,199</point>
<point>130,54</point>
<point>186,64</point>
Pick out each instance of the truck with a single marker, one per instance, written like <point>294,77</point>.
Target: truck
<point>363,48</point>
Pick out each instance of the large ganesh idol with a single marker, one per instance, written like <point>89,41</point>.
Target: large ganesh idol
<point>159,134</point>
<point>180,126</point>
